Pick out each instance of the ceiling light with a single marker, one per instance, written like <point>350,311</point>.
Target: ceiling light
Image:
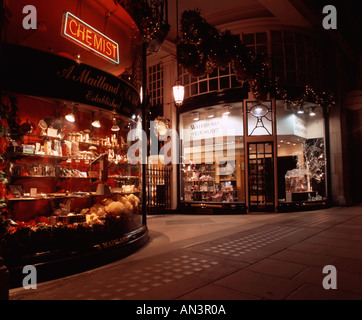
<point>300,110</point>
<point>312,111</point>
<point>286,106</point>
<point>210,113</point>
<point>71,116</point>
<point>115,126</point>
<point>226,110</point>
<point>96,124</point>
<point>195,116</point>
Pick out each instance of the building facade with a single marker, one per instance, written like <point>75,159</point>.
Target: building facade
<point>239,154</point>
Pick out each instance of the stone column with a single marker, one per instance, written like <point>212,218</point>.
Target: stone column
<point>170,112</point>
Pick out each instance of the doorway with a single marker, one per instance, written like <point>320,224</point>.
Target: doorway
<point>261,176</point>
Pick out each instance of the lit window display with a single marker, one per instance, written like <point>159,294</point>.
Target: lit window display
<point>301,154</point>
<point>212,167</point>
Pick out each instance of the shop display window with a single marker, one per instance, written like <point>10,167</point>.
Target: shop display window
<point>301,154</point>
<point>212,146</point>
<point>69,185</point>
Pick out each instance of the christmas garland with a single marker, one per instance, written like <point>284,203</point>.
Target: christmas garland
<point>202,48</point>
<point>142,14</point>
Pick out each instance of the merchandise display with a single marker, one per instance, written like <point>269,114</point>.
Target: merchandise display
<point>203,183</point>
<point>67,187</point>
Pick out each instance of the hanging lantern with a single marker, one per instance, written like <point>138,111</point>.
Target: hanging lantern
<point>178,93</point>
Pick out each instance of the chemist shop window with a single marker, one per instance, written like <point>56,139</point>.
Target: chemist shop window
<point>212,149</point>
<point>301,154</point>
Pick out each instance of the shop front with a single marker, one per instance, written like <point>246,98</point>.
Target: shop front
<point>251,156</point>
<point>71,198</point>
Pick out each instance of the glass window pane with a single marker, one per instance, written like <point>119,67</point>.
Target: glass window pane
<point>301,64</point>
<point>288,37</point>
<point>194,90</point>
<point>260,148</point>
<point>212,173</point>
<point>248,38</point>
<point>251,50</point>
<point>262,50</point>
<point>292,77</point>
<point>187,91</point>
<point>290,64</point>
<point>235,83</point>
<point>302,78</point>
<point>213,84</point>
<point>252,148</point>
<point>203,86</point>
<point>224,83</point>
<point>277,49</point>
<point>278,63</point>
<point>268,148</point>
<point>299,38</point>
<point>289,51</point>
<point>261,38</point>
<point>276,36</point>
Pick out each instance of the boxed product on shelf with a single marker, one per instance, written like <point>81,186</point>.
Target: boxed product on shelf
<point>28,148</point>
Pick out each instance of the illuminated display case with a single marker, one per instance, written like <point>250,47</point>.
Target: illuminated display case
<point>67,183</point>
<point>212,169</point>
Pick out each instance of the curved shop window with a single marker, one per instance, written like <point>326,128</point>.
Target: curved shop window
<point>212,146</point>
<point>301,154</point>
<point>67,183</point>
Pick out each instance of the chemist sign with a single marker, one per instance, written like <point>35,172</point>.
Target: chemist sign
<point>86,36</point>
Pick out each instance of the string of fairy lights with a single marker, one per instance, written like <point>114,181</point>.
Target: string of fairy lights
<point>203,48</point>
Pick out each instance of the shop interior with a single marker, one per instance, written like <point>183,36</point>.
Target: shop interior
<point>212,167</point>
<point>213,157</point>
<point>67,169</point>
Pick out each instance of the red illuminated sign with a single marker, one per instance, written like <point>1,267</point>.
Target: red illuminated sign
<point>86,36</point>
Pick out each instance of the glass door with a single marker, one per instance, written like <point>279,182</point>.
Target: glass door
<point>261,176</point>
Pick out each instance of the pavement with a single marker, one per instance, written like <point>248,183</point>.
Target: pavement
<point>229,257</point>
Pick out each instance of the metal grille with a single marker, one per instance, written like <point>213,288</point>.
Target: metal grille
<point>158,190</point>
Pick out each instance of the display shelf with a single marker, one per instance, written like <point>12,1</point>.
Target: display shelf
<point>125,193</point>
<point>19,155</point>
<point>32,177</point>
<point>52,197</point>
<point>200,180</point>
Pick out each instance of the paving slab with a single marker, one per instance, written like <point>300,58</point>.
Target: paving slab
<point>228,257</point>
